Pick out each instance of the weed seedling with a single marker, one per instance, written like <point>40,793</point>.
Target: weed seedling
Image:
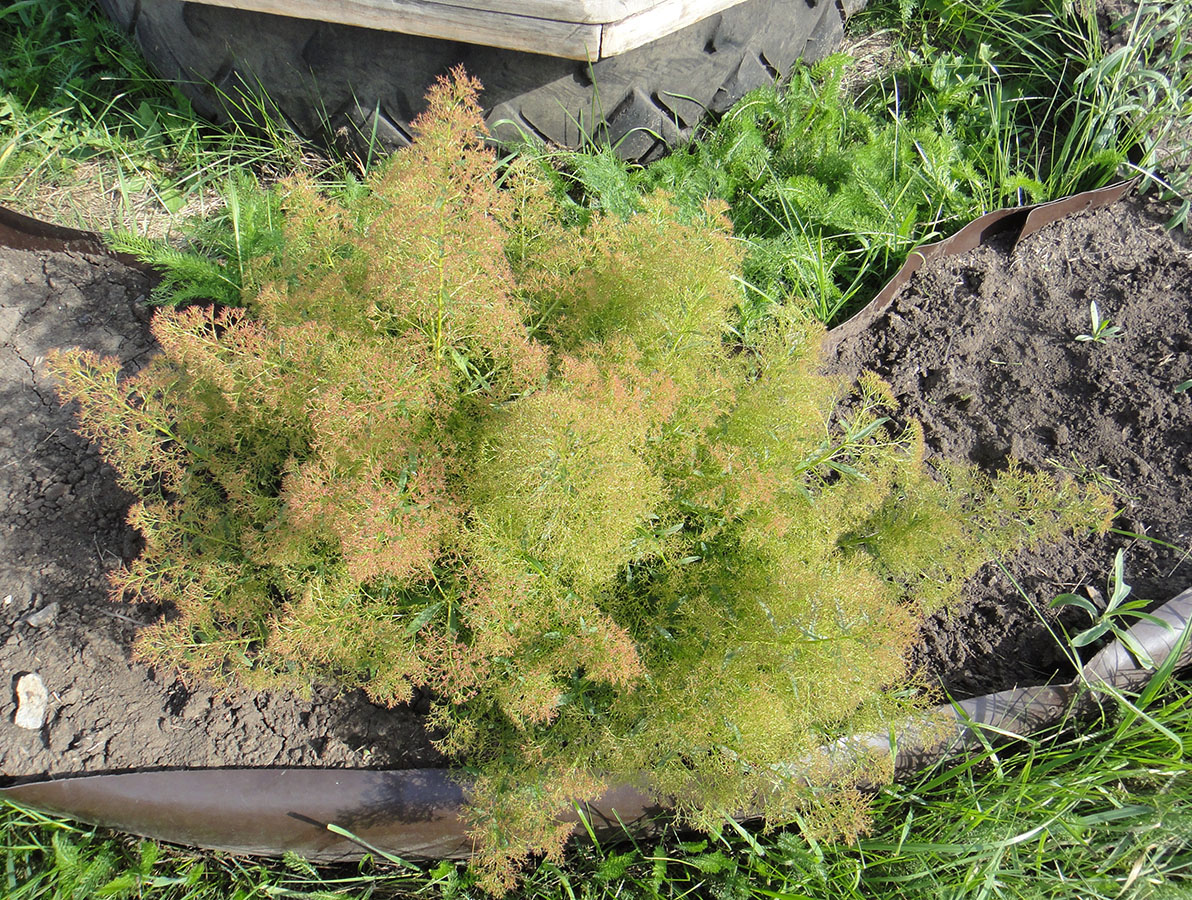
<point>1103,330</point>
<point>1109,617</point>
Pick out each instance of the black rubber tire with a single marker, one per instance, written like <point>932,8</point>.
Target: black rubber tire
<point>354,85</point>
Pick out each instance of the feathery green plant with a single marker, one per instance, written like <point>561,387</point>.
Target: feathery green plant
<point>453,443</point>
<point>219,250</point>
<point>828,193</point>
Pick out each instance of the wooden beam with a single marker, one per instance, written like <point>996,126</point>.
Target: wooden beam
<point>654,22</point>
<point>571,29</point>
<point>570,40</point>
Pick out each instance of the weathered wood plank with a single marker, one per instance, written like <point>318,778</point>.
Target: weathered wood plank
<point>657,21</point>
<point>592,12</point>
<point>570,40</point>
<point>572,29</point>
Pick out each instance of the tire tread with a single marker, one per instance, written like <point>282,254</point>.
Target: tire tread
<point>326,80</point>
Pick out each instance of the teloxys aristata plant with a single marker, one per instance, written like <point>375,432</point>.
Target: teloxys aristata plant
<point>449,443</point>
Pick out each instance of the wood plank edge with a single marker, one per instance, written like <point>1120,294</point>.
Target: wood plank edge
<point>568,40</point>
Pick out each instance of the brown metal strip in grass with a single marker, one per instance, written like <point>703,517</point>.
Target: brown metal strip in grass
<point>1019,221</point>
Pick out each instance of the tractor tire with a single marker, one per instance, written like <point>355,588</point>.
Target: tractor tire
<point>360,88</point>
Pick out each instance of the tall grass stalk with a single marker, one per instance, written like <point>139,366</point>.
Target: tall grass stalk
<point>89,137</point>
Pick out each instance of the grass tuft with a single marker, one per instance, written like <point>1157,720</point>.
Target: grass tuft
<point>90,138</point>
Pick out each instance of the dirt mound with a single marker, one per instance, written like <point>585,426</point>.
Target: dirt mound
<point>63,529</point>
<point>981,348</point>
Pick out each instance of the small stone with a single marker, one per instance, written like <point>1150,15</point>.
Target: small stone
<point>44,616</point>
<point>32,702</point>
<point>17,601</point>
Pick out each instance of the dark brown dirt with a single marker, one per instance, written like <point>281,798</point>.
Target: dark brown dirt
<point>62,528</point>
<point>980,348</point>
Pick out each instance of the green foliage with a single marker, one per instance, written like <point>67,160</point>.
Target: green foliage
<point>1102,331</point>
<point>53,50</point>
<point>88,136</point>
<point>1109,616</point>
<point>989,105</point>
<point>219,247</point>
<point>51,53</point>
<point>1099,808</point>
<point>1147,84</point>
<point>1100,106</point>
<point>830,194</point>
<point>451,443</point>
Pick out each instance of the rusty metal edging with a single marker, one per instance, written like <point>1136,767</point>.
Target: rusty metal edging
<point>418,813</point>
<point>21,232</point>
<point>1021,222</point>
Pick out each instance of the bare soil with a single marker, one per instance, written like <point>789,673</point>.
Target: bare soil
<point>62,529</point>
<point>980,348</point>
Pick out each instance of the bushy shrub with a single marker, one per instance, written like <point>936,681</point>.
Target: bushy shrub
<point>450,443</point>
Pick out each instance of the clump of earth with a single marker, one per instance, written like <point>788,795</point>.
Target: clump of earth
<point>980,348</point>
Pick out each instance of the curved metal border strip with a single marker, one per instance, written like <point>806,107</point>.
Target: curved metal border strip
<point>1021,221</point>
<point>20,232</point>
<point>418,813</point>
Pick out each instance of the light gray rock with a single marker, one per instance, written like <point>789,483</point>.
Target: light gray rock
<point>44,616</point>
<point>32,702</point>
